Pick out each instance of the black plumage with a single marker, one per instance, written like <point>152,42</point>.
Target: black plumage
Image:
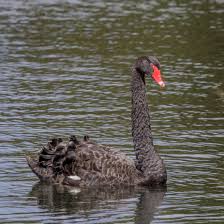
<point>85,163</point>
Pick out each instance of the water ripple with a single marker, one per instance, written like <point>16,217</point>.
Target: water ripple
<point>65,68</point>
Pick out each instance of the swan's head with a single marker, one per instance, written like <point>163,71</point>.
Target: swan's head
<point>149,65</point>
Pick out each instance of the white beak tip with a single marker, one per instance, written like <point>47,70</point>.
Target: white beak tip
<point>162,84</point>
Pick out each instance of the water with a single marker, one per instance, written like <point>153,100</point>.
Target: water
<point>65,68</point>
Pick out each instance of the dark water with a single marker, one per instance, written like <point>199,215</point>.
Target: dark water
<point>65,68</point>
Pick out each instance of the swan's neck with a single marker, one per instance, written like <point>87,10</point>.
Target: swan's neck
<point>147,160</point>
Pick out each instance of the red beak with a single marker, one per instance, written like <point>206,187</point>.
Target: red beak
<point>157,76</point>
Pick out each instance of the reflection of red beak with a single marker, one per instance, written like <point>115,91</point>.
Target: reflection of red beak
<point>157,76</point>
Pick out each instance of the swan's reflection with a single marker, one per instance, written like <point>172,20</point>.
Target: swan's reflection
<point>138,204</point>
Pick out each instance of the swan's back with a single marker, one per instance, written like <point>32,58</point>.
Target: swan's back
<point>84,163</point>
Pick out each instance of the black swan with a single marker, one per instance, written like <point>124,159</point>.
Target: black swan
<point>85,163</point>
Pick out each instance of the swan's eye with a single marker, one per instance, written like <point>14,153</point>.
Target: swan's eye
<point>145,67</point>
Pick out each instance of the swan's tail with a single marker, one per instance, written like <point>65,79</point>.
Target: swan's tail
<point>54,163</point>
<point>44,174</point>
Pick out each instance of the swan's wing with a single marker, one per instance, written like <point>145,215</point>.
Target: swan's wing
<point>85,163</point>
<point>99,164</point>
